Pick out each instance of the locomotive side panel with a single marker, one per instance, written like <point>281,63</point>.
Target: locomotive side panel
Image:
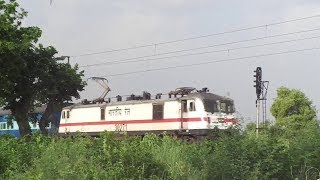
<point>188,114</point>
<point>84,115</point>
<point>128,117</point>
<point>172,110</point>
<point>141,117</point>
<point>129,112</point>
<point>195,114</point>
<point>85,120</point>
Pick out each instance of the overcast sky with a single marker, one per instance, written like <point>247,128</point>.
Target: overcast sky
<point>77,27</point>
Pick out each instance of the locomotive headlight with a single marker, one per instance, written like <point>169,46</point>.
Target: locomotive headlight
<point>221,120</point>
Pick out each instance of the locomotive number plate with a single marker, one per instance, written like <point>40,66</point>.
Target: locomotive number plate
<point>120,127</point>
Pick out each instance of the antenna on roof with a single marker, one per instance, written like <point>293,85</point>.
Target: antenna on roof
<point>103,82</point>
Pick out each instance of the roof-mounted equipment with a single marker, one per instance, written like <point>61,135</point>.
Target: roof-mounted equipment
<point>103,82</point>
<point>203,90</point>
<point>181,91</point>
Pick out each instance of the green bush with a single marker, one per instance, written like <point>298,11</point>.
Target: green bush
<point>235,155</point>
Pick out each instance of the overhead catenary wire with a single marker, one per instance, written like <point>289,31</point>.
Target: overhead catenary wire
<point>207,52</point>
<point>134,60</point>
<point>198,37</point>
<point>212,62</point>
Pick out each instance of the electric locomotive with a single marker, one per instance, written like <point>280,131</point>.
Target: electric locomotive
<point>186,111</point>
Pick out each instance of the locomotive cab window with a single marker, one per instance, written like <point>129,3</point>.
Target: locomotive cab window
<point>227,106</point>
<point>210,106</point>
<point>103,114</point>
<point>192,106</point>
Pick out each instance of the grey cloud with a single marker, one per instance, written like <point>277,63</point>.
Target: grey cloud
<point>77,26</point>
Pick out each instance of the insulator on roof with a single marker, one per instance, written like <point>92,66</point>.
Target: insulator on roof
<point>146,95</point>
<point>85,101</point>
<point>203,90</point>
<point>119,98</point>
<point>158,96</point>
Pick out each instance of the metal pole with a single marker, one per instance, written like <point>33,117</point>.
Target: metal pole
<point>264,111</point>
<point>258,114</point>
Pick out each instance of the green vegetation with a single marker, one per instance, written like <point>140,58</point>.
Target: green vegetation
<point>30,75</point>
<point>289,150</point>
<point>236,156</point>
<point>293,110</point>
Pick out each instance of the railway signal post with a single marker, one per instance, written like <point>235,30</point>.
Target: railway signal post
<point>261,92</point>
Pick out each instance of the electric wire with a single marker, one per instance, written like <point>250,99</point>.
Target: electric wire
<point>207,52</point>
<point>198,37</point>
<point>211,62</point>
<point>133,60</point>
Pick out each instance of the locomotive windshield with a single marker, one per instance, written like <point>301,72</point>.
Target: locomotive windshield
<point>224,106</point>
<point>210,106</point>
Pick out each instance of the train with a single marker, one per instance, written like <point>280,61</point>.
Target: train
<point>186,111</point>
<point>9,126</point>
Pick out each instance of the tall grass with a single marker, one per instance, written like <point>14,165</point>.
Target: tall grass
<point>235,156</point>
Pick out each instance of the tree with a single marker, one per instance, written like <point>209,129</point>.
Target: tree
<point>59,84</point>
<point>292,109</point>
<point>29,69</point>
<point>1,102</point>
<point>16,51</point>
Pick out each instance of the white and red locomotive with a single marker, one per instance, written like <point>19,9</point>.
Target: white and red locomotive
<point>184,112</point>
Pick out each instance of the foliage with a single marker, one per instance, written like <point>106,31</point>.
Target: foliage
<point>58,84</point>
<point>1,102</point>
<point>292,109</point>
<point>31,74</point>
<point>239,156</point>
<point>22,63</point>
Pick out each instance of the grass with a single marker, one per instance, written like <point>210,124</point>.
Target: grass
<point>235,156</point>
